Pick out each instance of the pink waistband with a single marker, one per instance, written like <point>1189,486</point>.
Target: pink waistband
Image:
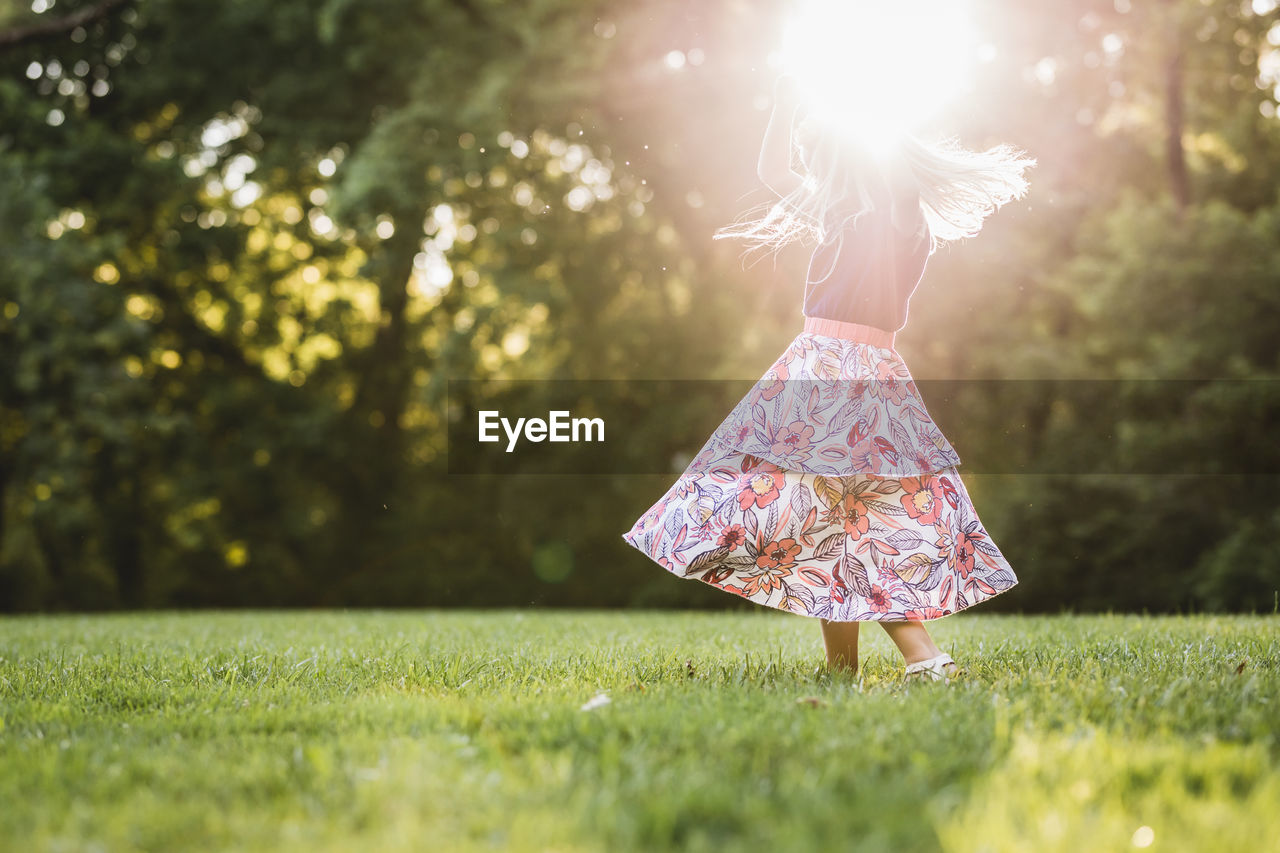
<point>850,331</point>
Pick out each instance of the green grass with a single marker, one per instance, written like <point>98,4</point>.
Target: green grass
<point>428,730</point>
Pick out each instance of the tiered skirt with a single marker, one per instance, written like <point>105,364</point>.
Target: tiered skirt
<point>829,492</point>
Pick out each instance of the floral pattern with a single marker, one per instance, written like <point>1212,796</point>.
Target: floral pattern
<point>858,540</point>
<point>836,406</point>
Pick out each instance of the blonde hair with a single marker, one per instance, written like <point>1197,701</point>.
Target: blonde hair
<point>958,189</point>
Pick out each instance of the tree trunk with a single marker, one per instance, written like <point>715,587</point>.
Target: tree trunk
<point>368,483</point>
<point>1175,156</point>
<point>117,494</point>
<point>4,495</point>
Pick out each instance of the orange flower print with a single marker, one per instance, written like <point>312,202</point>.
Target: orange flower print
<point>856,516</point>
<point>767,581</point>
<point>792,442</point>
<point>760,486</point>
<point>878,599</point>
<point>780,553</point>
<point>922,498</point>
<point>965,552</point>
<point>733,536</point>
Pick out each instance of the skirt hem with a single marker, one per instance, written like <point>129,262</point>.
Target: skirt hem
<point>929,614</point>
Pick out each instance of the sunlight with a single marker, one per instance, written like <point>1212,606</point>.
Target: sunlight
<point>876,69</point>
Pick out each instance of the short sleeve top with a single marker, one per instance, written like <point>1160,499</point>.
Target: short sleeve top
<point>871,276</point>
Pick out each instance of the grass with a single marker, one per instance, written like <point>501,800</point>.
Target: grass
<point>462,731</point>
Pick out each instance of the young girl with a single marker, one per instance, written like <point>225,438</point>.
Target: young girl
<point>829,491</point>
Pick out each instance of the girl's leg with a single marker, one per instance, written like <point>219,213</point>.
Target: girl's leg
<point>841,639</point>
<point>913,640</point>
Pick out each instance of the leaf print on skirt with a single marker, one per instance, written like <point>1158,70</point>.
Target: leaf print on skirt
<point>829,492</point>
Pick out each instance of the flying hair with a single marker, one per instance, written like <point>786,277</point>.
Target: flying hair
<point>844,175</point>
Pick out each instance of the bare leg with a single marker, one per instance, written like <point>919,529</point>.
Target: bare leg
<point>841,639</point>
<point>913,640</point>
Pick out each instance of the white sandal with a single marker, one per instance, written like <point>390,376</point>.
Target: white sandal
<point>934,668</point>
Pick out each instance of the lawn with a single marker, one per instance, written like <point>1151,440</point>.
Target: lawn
<point>612,731</point>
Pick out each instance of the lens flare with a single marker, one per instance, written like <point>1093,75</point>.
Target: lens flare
<point>878,69</point>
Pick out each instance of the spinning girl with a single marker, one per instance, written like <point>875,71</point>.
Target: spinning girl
<point>829,491</point>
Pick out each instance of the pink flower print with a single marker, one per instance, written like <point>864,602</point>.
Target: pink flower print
<point>965,553</point>
<point>889,385</point>
<point>879,599</point>
<point>793,441</point>
<point>652,518</point>
<point>856,389</point>
<point>760,486</point>
<point>866,457</point>
<point>922,498</point>
<point>773,389</point>
<point>919,458</point>
<point>733,536</point>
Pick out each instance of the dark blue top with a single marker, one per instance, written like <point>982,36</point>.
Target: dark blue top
<point>872,277</point>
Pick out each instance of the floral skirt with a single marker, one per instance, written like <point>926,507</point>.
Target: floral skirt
<point>828,491</point>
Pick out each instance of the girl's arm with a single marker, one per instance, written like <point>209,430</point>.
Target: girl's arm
<point>774,167</point>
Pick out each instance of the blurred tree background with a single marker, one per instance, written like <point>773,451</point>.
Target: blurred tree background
<point>244,246</point>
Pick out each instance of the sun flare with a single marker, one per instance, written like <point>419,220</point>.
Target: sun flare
<point>877,69</point>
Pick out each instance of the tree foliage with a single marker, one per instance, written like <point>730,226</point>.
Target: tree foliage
<point>244,247</point>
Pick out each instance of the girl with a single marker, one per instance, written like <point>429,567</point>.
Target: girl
<point>829,491</point>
